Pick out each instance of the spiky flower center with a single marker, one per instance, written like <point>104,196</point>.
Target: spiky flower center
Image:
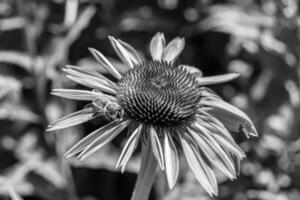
<point>158,93</point>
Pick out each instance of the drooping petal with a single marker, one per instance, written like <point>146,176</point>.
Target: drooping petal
<point>173,49</point>
<point>72,119</point>
<point>203,173</point>
<point>103,139</point>
<point>104,134</point>
<point>221,134</point>
<point>157,46</point>
<point>105,63</point>
<point>129,148</point>
<point>156,148</point>
<point>83,95</point>
<point>237,163</point>
<point>83,72</point>
<point>233,118</point>
<point>171,160</point>
<point>193,70</point>
<point>212,156</point>
<point>209,140</point>
<point>209,80</point>
<point>88,80</point>
<point>125,52</point>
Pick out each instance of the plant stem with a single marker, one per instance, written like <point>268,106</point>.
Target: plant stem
<point>146,175</point>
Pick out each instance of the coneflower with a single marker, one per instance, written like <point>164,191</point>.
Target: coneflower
<point>166,108</point>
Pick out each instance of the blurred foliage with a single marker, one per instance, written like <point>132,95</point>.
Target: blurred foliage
<point>259,39</point>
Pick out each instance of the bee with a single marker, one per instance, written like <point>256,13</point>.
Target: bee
<point>109,107</point>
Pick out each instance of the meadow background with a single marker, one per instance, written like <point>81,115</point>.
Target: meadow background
<point>260,39</point>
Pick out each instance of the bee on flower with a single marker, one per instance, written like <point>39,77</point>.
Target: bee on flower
<point>166,107</point>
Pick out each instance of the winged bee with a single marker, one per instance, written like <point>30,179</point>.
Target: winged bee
<point>109,107</point>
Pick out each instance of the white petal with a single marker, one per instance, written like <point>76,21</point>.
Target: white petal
<point>173,49</point>
<point>129,148</point>
<point>105,63</point>
<point>83,72</point>
<point>103,139</point>
<point>193,70</point>
<point>157,46</point>
<point>209,80</point>
<point>210,154</point>
<point>233,118</point>
<point>72,119</point>
<point>125,52</point>
<point>171,160</point>
<point>103,133</point>
<point>203,173</point>
<point>156,148</point>
<point>90,77</point>
<point>84,95</point>
<point>221,135</point>
<point>236,162</point>
<point>206,135</point>
<point>93,84</point>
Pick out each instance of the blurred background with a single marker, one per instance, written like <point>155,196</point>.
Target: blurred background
<point>259,39</point>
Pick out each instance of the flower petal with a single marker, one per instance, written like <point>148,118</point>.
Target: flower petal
<point>105,63</point>
<point>236,162</point>
<point>233,118</point>
<point>156,148</point>
<point>211,155</point>
<point>83,72</point>
<point>157,46</point>
<point>209,80</point>
<point>90,81</point>
<point>129,148</point>
<point>171,160</point>
<point>221,134</point>
<point>72,119</point>
<point>104,138</point>
<point>193,70</point>
<point>83,95</point>
<point>221,154</point>
<point>103,133</point>
<point>173,49</point>
<point>203,173</point>
<point>125,52</point>
<point>92,84</point>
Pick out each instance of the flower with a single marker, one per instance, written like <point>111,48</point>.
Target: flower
<point>161,104</point>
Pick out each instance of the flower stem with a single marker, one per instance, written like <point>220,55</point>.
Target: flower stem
<point>146,175</point>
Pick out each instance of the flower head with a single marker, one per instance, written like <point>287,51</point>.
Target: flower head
<point>163,104</point>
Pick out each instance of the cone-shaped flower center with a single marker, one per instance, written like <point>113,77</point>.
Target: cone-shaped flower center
<point>158,93</point>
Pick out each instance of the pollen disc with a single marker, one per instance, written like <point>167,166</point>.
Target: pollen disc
<point>158,93</point>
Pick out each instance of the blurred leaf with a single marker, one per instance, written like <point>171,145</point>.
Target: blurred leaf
<point>16,58</point>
